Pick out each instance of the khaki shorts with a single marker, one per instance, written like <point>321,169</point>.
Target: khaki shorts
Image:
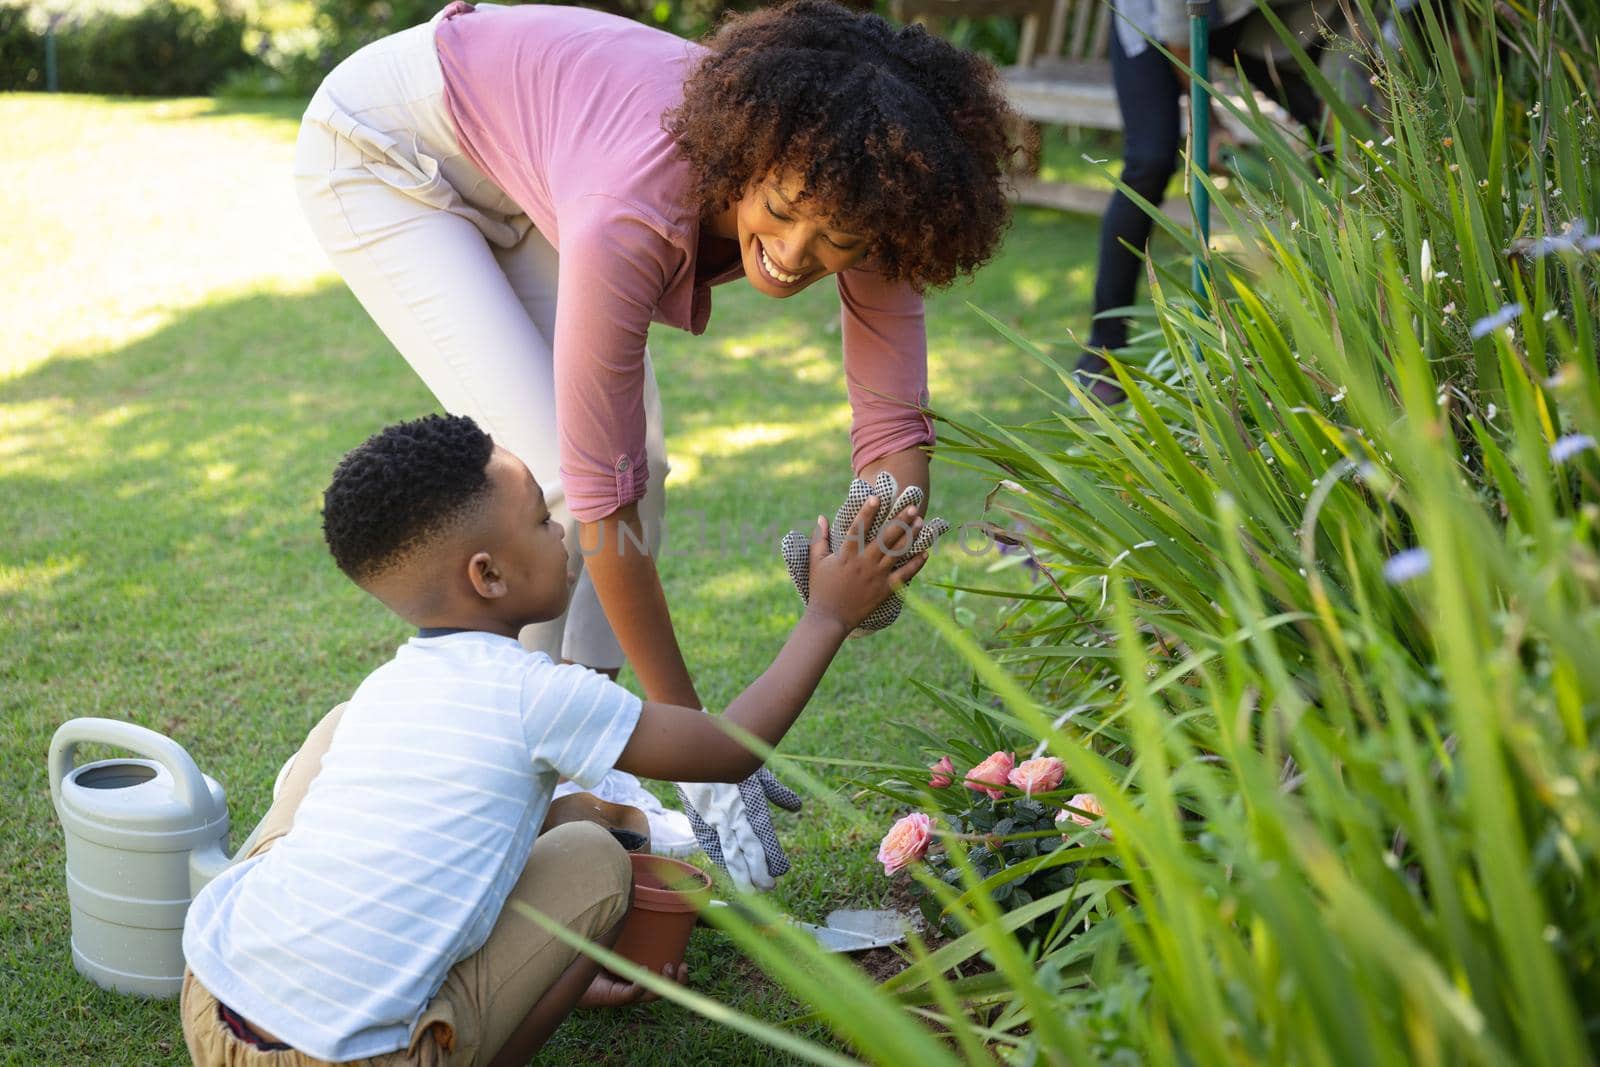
<point>577,874</point>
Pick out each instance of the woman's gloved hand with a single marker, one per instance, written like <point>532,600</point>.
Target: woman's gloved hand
<point>734,826</point>
<point>797,544</point>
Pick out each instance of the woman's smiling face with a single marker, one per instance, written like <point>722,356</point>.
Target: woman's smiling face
<point>787,244</point>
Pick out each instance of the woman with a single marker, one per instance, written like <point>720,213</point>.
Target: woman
<point>516,193</point>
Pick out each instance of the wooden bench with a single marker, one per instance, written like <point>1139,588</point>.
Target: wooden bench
<point>1062,77</point>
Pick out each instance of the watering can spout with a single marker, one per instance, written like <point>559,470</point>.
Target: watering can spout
<point>211,860</point>
<point>206,863</point>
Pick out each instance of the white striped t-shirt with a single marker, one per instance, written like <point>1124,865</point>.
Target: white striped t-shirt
<point>407,843</point>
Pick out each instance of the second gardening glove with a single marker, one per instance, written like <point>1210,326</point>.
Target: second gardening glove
<point>797,544</point>
<point>734,826</point>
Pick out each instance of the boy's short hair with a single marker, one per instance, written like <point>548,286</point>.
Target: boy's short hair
<point>402,489</point>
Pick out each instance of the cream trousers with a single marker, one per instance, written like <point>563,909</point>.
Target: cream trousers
<point>457,278</point>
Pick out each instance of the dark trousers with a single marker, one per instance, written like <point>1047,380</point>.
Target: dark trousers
<point>1147,95</point>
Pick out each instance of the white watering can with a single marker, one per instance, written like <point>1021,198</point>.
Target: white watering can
<point>143,837</point>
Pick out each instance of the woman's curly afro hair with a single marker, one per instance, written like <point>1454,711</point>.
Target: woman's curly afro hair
<point>402,489</point>
<point>897,134</point>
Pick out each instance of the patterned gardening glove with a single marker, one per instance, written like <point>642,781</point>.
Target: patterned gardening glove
<point>734,826</point>
<point>797,544</point>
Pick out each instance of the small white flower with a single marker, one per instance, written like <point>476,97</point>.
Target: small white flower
<point>1450,308</point>
<point>1491,412</point>
<point>1406,566</point>
<point>1569,445</point>
<point>1358,189</point>
<point>1387,141</point>
<point>1337,397</point>
<point>1489,323</point>
<point>1427,262</point>
<point>1548,315</point>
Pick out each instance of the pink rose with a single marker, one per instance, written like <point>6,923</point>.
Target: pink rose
<point>942,775</point>
<point>990,775</point>
<point>905,842</point>
<point>1084,802</point>
<point>1038,775</point>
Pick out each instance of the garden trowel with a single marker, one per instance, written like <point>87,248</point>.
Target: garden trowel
<point>850,929</point>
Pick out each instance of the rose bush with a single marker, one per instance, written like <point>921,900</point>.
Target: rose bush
<point>1010,822</point>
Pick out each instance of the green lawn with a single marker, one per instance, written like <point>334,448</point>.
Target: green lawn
<point>179,372</point>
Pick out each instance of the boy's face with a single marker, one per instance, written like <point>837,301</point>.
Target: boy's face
<point>529,546</point>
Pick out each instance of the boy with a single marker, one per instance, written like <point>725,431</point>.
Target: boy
<point>370,918</point>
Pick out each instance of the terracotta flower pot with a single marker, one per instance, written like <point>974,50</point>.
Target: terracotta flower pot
<point>667,897</point>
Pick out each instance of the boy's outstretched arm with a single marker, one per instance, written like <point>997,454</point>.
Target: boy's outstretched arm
<point>686,745</point>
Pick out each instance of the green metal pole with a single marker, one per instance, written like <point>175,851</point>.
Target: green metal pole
<point>1200,131</point>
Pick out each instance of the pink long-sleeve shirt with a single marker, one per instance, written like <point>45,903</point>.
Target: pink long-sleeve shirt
<point>562,109</point>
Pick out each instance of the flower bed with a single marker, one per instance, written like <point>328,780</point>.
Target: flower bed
<point>1313,624</point>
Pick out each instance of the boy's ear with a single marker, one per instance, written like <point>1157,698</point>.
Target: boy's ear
<point>484,574</point>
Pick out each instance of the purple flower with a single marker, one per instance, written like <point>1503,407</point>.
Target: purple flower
<point>1404,566</point>
<point>1490,323</point>
<point>1570,241</point>
<point>1569,445</point>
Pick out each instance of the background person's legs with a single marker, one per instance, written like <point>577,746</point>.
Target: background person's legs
<point>1147,96</point>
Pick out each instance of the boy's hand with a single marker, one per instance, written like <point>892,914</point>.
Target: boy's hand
<point>609,991</point>
<point>797,547</point>
<point>849,584</point>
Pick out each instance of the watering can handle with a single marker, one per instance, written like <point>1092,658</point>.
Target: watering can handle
<point>192,788</point>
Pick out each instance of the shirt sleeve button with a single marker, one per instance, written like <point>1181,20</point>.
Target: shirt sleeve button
<point>624,465</point>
